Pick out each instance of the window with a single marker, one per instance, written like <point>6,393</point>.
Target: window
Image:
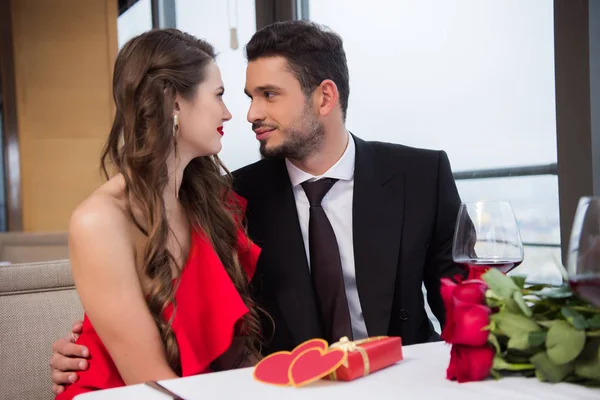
<point>535,203</point>
<point>213,21</point>
<point>472,77</point>
<point>135,20</point>
<point>3,203</point>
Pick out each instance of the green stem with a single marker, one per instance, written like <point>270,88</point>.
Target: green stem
<point>520,367</point>
<point>495,374</point>
<point>536,300</point>
<point>546,304</point>
<point>594,333</point>
<point>585,309</point>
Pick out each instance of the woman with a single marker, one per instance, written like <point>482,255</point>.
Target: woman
<point>159,259</point>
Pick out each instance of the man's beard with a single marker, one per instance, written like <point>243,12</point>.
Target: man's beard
<point>300,141</point>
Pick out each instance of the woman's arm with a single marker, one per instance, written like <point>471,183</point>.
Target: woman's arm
<point>103,263</point>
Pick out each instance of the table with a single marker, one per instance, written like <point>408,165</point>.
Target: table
<point>421,375</point>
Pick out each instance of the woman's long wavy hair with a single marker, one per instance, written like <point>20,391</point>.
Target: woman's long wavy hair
<point>149,71</point>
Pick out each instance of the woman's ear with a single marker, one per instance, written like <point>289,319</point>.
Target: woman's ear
<point>176,105</point>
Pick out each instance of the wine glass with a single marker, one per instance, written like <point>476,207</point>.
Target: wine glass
<point>583,262</point>
<point>487,236</point>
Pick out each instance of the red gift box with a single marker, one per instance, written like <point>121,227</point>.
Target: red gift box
<point>366,356</point>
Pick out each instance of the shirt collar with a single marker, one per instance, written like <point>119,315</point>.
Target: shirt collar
<point>343,169</point>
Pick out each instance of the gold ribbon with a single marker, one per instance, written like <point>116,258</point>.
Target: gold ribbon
<point>351,346</point>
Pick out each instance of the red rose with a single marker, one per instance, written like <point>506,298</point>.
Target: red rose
<point>466,312</point>
<point>471,291</point>
<point>468,364</point>
<point>475,271</point>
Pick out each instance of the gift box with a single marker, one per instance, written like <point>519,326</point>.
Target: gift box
<point>313,360</point>
<point>366,356</point>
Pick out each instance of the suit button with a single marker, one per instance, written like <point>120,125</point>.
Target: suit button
<point>404,314</point>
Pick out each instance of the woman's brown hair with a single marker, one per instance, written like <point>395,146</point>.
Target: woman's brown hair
<point>149,71</point>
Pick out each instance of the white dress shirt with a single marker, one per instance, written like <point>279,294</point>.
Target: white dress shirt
<point>337,205</point>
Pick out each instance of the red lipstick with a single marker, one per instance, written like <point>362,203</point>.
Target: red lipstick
<point>220,130</point>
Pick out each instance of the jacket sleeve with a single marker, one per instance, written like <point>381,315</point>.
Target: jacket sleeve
<point>439,263</point>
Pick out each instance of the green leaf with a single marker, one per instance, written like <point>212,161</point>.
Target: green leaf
<point>493,303</point>
<point>519,280</point>
<point>519,342</point>
<point>511,306</point>
<point>561,292</point>
<point>494,341</point>
<point>587,364</point>
<point>547,324</point>
<point>541,377</point>
<point>564,343</point>
<point>492,327</point>
<point>538,287</point>
<point>495,374</point>
<point>546,370</point>
<point>500,364</point>
<point>594,322</point>
<point>518,297</point>
<point>537,338</point>
<point>500,284</point>
<point>574,318</point>
<point>514,324</point>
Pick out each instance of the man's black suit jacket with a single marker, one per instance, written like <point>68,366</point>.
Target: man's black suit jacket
<point>404,210</point>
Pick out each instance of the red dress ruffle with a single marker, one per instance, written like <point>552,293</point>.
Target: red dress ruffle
<point>208,310</point>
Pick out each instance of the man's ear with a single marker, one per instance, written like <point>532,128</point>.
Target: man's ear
<point>327,97</point>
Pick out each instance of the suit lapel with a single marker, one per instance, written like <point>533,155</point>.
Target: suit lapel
<point>377,226</point>
<point>285,257</point>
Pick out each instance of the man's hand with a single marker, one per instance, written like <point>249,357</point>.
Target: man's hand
<point>68,358</point>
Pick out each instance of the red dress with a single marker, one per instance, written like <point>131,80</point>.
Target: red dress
<point>208,309</point>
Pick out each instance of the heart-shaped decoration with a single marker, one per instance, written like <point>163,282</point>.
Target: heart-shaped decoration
<point>313,364</point>
<point>274,369</point>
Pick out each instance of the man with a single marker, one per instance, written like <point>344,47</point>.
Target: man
<point>349,229</point>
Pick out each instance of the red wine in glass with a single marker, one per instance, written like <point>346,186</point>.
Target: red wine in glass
<point>487,236</point>
<point>587,287</point>
<point>583,260</point>
<point>504,266</point>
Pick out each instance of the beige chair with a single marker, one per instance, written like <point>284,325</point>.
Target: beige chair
<point>27,247</point>
<point>38,304</point>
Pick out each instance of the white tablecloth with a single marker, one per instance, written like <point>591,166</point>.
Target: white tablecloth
<point>421,375</point>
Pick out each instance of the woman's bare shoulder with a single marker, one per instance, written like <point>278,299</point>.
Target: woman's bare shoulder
<point>103,215</point>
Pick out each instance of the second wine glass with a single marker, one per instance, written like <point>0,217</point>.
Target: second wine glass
<point>487,236</point>
<point>584,251</point>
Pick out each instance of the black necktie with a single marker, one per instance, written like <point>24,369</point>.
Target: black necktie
<point>326,265</point>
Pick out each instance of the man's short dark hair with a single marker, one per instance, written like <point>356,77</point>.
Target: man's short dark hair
<point>314,53</point>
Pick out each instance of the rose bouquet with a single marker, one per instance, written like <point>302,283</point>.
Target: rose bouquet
<point>497,326</point>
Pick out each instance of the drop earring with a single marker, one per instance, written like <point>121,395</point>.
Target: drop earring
<point>175,129</point>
